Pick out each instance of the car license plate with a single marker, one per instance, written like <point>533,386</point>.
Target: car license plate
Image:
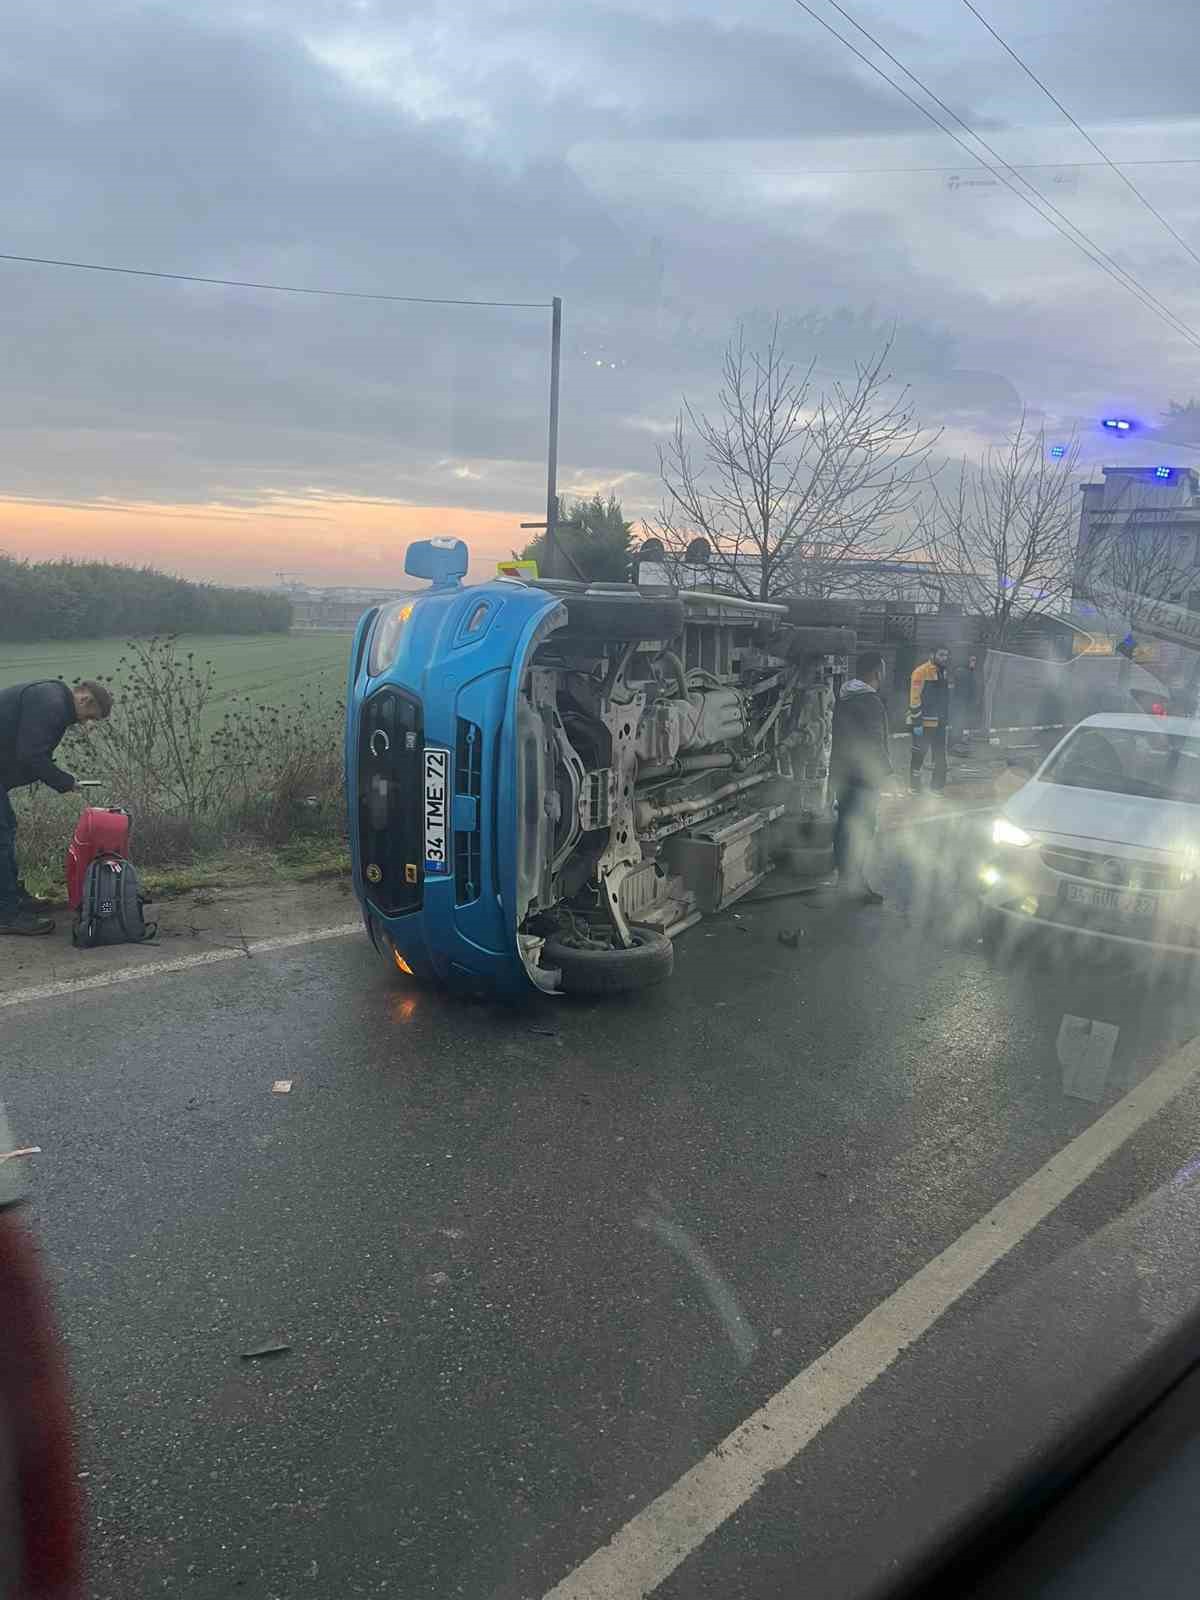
<point>1118,900</point>
<point>437,775</point>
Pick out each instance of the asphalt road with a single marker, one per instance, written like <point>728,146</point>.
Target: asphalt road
<point>530,1265</point>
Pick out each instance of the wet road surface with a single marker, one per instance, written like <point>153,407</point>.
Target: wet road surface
<point>531,1264</point>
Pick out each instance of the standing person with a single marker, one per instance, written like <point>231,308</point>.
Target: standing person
<point>33,718</point>
<point>928,715</point>
<point>860,761</point>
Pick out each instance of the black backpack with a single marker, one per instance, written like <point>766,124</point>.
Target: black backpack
<point>110,911</point>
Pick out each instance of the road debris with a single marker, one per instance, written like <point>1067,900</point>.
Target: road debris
<point>282,1086</point>
<point>275,1347</point>
<point>790,937</point>
<point>26,1150</point>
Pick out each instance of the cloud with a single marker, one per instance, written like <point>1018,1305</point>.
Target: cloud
<point>668,167</point>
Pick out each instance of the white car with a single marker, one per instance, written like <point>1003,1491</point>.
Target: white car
<point>1104,840</point>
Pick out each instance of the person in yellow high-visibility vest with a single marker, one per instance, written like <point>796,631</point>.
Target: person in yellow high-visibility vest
<point>928,716</point>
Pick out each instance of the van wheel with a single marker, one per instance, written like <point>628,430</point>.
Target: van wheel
<point>814,831</point>
<point>649,959</point>
<point>814,641</point>
<point>620,615</point>
<point>804,860</point>
<point>808,611</point>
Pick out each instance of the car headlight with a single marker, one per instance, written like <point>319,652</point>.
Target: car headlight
<point>385,646</point>
<point>1006,832</point>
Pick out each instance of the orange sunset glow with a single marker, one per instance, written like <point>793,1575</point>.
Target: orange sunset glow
<point>321,539</point>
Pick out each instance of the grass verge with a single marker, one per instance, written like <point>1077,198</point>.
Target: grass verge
<point>252,866</point>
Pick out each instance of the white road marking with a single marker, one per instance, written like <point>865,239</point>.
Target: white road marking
<point>154,969</point>
<point>649,1547</point>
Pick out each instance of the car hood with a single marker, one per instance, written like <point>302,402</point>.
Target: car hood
<point>1093,814</point>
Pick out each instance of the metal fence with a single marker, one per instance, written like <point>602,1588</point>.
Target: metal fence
<point>1031,701</point>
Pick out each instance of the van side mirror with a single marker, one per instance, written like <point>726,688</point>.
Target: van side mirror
<point>442,561</point>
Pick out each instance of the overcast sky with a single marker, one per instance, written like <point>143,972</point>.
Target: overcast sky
<point>668,167</point>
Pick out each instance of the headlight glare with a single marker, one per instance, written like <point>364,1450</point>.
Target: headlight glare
<point>1006,832</point>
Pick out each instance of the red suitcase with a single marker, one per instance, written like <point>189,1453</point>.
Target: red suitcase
<point>100,831</point>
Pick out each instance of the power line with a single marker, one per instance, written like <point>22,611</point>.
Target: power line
<point>873,172</point>
<point>1133,283</point>
<point>1076,236</point>
<point>1108,161</point>
<point>278,288</point>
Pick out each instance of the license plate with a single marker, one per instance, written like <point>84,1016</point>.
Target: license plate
<point>1118,900</point>
<point>437,776</point>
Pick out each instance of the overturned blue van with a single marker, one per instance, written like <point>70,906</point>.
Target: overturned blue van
<point>548,781</point>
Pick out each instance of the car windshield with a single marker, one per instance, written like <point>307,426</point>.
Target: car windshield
<point>1161,766</point>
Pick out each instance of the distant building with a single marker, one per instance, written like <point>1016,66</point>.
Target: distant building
<point>1160,503</point>
<point>336,609</point>
<point>867,581</point>
<point>1160,507</point>
<point>1165,499</point>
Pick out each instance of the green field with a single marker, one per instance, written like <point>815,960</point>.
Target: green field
<point>278,669</point>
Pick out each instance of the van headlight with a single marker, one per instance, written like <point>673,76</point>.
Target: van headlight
<point>1006,832</point>
<point>385,646</point>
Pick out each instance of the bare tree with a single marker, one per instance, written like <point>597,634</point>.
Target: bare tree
<point>1002,540</point>
<point>795,489</point>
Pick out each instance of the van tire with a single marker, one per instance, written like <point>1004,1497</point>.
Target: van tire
<point>649,960</point>
<point>620,616</point>
<point>809,610</point>
<point>814,832</point>
<point>814,641</point>
<point>804,861</point>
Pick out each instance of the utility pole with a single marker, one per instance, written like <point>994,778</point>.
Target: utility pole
<point>552,550</point>
<point>552,451</point>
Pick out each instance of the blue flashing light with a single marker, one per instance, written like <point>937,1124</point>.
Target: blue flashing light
<point>1163,472</point>
<point>1058,451</point>
<point>1118,424</point>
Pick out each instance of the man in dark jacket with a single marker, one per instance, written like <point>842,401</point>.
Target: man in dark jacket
<point>860,763</point>
<point>33,718</point>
